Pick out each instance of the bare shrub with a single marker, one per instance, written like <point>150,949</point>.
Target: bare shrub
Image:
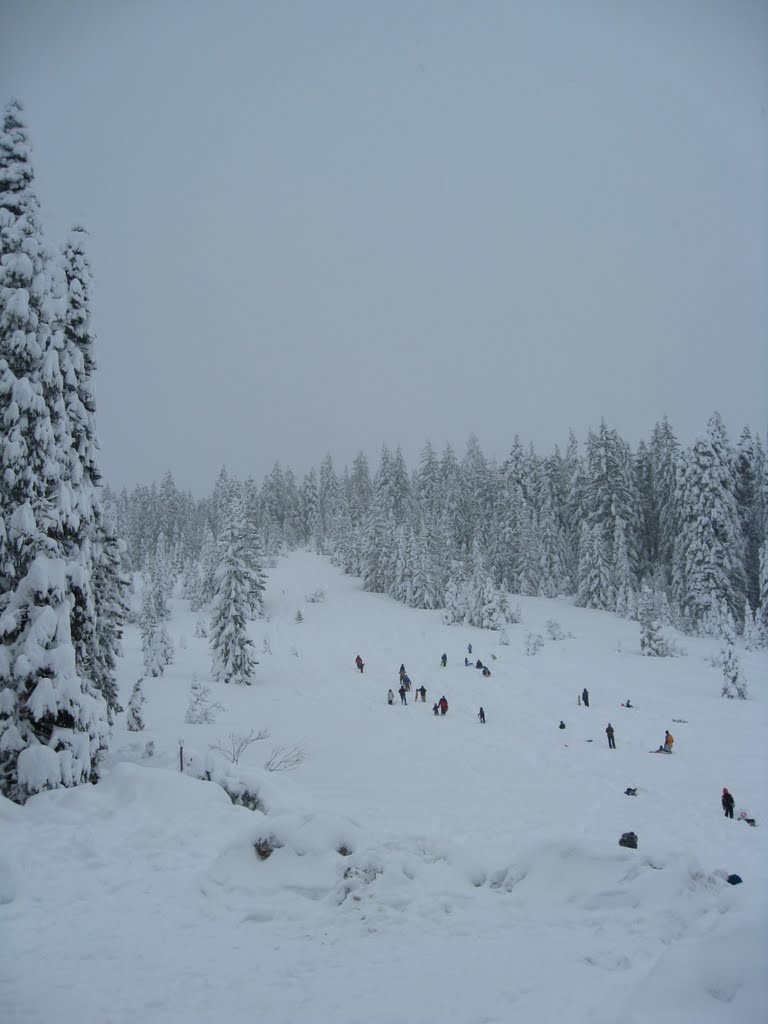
<point>235,745</point>
<point>316,597</point>
<point>284,759</point>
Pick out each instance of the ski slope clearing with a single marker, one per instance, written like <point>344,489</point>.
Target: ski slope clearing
<point>418,868</point>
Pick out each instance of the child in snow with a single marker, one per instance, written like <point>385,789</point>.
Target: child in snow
<point>406,682</point>
<point>402,691</point>
<point>443,660</point>
<point>562,724</point>
<point>478,664</point>
<point>359,663</point>
<point>423,691</point>
<point>486,670</point>
<point>481,716</point>
<point>469,648</point>
<point>669,739</point>
<point>435,709</point>
<point>390,697</point>
<point>467,663</point>
<point>727,801</point>
<point>744,816</point>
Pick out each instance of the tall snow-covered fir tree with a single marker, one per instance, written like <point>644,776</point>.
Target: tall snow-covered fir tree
<point>53,719</point>
<point>232,649</point>
<point>709,558</point>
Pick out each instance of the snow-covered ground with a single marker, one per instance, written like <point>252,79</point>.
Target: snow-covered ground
<point>480,879</point>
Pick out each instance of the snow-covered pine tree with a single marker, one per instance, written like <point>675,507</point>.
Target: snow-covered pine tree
<point>651,640</point>
<point>135,716</point>
<point>232,649</point>
<point>594,577</point>
<point>709,559</point>
<point>100,606</point>
<point>734,683</point>
<point>156,644</point>
<point>53,721</point>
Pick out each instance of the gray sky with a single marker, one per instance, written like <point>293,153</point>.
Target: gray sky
<point>320,226</point>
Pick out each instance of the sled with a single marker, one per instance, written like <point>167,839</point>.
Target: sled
<point>661,750</point>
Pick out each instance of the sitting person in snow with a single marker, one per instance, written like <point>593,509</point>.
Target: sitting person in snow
<point>669,739</point>
<point>478,664</point>
<point>359,663</point>
<point>486,670</point>
<point>744,816</point>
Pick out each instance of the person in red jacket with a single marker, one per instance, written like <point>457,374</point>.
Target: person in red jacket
<point>443,705</point>
<point>727,801</point>
<point>359,663</point>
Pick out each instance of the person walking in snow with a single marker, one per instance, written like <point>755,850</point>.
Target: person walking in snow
<point>481,716</point>
<point>390,697</point>
<point>585,697</point>
<point>443,705</point>
<point>359,663</point>
<point>443,660</point>
<point>609,734</point>
<point>406,682</point>
<point>401,691</point>
<point>423,691</point>
<point>435,709</point>
<point>402,673</point>
<point>469,648</point>
<point>727,801</point>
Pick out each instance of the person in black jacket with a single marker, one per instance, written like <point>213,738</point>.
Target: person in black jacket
<point>727,801</point>
<point>481,716</point>
<point>585,697</point>
<point>609,734</point>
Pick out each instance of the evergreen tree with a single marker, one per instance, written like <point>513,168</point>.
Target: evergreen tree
<point>709,558</point>
<point>734,684</point>
<point>651,641</point>
<point>135,718</point>
<point>53,721</point>
<point>233,660</point>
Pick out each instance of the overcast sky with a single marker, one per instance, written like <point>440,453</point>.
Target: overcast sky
<point>320,226</point>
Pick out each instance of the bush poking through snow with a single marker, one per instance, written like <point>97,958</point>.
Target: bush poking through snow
<point>265,845</point>
<point>298,618</point>
<point>316,597</point>
<point>236,746</point>
<point>266,647</point>
<point>284,759</point>
<point>149,749</point>
<point>201,628</point>
<point>533,643</point>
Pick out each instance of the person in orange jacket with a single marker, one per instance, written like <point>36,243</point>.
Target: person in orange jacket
<point>669,739</point>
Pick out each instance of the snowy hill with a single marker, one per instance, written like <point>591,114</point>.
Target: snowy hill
<point>425,868</point>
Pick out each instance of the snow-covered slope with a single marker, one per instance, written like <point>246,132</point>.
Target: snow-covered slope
<point>431,869</point>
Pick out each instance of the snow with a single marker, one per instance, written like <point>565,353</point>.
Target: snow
<point>424,869</point>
